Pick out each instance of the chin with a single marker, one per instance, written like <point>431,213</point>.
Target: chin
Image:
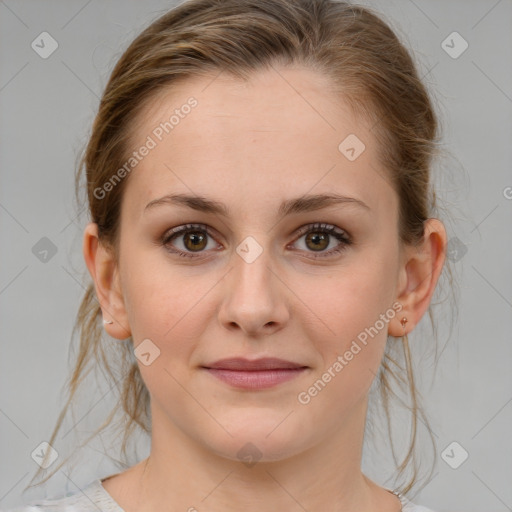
<point>259,437</point>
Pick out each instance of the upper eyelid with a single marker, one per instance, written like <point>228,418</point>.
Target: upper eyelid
<point>322,226</point>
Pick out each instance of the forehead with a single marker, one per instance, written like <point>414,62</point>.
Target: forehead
<point>284,130</point>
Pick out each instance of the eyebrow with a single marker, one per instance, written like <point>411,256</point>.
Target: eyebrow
<point>302,204</point>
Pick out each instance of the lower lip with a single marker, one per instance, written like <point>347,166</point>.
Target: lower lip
<point>255,379</point>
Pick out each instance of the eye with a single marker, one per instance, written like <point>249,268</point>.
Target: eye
<point>193,237</point>
<point>318,237</point>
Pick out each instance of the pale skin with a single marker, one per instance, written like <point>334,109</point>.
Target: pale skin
<point>252,146</point>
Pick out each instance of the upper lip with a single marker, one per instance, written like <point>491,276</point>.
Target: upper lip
<point>242,364</point>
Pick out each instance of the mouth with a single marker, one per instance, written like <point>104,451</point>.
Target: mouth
<point>256,374</point>
<point>243,364</point>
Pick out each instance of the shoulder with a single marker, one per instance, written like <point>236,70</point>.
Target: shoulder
<point>90,499</point>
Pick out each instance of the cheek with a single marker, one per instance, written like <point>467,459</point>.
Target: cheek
<point>163,308</point>
<point>352,299</point>
<point>174,307</point>
<point>166,308</point>
<point>352,311</point>
<point>158,296</point>
<point>348,309</point>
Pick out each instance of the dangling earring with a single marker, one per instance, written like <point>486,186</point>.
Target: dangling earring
<point>403,322</point>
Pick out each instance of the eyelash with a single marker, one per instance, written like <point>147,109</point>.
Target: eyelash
<point>329,229</point>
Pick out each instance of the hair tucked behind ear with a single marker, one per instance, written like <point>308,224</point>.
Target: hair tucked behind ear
<point>369,68</point>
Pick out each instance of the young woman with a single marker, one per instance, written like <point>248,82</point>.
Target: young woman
<point>261,240</point>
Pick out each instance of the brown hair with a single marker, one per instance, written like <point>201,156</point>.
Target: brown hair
<point>370,69</point>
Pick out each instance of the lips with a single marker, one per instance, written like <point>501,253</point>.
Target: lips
<point>255,375</point>
<point>242,364</point>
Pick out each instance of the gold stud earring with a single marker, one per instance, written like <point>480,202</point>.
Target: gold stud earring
<point>403,322</point>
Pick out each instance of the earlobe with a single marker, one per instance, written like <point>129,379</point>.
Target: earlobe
<point>102,267</point>
<point>418,277</point>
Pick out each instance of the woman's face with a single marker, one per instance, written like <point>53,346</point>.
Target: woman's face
<point>247,280</point>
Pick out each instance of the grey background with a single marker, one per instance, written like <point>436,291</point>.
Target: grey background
<point>47,107</point>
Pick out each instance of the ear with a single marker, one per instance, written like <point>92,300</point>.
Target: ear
<point>420,271</point>
<point>103,269</point>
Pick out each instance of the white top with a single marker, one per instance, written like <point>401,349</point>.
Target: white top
<point>94,497</point>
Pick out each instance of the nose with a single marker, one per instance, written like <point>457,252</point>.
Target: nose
<point>253,297</point>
